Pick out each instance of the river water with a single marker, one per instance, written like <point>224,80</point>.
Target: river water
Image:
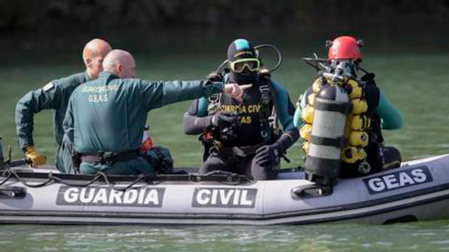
<point>412,72</point>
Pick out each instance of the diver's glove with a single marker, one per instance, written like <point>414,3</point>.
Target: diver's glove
<point>215,77</point>
<point>223,119</point>
<point>268,154</point>
<point>35,157</point>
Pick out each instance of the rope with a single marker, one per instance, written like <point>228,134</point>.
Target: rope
<point>231,178</point>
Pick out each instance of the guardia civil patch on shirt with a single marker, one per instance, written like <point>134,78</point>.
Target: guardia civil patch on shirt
<point>48,87</point>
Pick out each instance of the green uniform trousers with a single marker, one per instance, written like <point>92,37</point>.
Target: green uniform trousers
<point>63,157</point>
<point>131,167</point>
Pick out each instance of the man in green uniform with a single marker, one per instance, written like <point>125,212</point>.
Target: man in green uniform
<point>55,95</point>
<point>105,118</point>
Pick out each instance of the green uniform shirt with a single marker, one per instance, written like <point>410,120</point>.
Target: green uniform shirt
<point>55,95</point>
<point>109,114</point>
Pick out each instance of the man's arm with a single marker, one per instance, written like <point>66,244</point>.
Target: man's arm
<point>196,119</point>
<point>285,111</point>
<point>391,117</point>
<point>32,103</point>
<point>158,94</point>
<point>68,123</point>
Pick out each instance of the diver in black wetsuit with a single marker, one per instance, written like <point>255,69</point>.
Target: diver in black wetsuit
<point>243,137</point>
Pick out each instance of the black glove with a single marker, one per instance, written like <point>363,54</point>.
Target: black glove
<point>215,77</point>
<point>223,119</point>
<point>267,154</point>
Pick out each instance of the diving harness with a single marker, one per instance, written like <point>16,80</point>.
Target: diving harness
<point>268,119</point>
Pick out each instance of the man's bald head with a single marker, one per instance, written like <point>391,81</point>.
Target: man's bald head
<point>120,63</point>
<point>93,54</point>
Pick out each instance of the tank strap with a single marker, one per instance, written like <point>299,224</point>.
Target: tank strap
<point>337,142</point>
<point>344,108</point>
<point>268,119</point>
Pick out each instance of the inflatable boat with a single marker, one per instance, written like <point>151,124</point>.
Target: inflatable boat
<point>417,191</point>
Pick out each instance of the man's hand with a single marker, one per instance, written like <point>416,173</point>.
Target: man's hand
<point>236,91</point>
<point>223,119</point>
<point>35,157</point>
<point>266,155</point>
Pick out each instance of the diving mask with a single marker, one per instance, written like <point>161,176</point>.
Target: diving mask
<point>252,64</point>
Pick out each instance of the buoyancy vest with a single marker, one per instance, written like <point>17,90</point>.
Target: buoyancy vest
<point>258,122</point>
<point>362,127</point>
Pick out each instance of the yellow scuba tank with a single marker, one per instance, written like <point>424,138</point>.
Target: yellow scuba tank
<point>307,114</point>
<point>352,154</point>
<point>359,106</point>
<point>356,124</point>
<point>305,131</point>
<point>316,86</point>
<point>356,90</point>
<point>311,99</point>
<point>358,138</point>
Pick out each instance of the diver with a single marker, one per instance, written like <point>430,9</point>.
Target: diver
<point>362,147</point>
<point>244,137</point>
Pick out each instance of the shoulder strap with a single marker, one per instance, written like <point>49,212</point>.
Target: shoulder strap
<point>273,120</point>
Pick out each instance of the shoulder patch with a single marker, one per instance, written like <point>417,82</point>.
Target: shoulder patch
<point>48,87</point>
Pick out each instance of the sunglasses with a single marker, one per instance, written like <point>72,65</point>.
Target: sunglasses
<point>251,64</point>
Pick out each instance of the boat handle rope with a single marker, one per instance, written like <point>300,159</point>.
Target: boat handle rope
<point>231,178</point>
<point>16,176</point>
<point>51,179</point>
<point>95,179</point>
<point>6,179</point>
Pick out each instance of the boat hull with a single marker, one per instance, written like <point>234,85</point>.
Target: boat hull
<point>418,191</point>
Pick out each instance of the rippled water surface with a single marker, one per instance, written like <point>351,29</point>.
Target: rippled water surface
<point>414,77</point>
<point>430,236</point>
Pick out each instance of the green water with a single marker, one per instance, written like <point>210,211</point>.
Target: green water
<point>430,236</point>
<point>415,76</point>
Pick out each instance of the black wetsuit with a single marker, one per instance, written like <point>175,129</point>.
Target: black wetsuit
<point>237,151</point>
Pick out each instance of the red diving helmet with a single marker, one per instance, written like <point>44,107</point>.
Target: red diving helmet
<point>345,47</point>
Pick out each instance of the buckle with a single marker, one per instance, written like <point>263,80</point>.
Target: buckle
<point>264,88</point>
<point>108,158</point>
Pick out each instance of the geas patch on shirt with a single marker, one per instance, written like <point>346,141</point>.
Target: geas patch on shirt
<point>243,111</point>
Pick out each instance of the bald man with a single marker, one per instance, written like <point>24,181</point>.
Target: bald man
<point>105,118</point>
<point>55,95</point>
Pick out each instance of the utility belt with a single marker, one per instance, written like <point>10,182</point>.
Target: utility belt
<point>243,151</point>
<point>109,158</point>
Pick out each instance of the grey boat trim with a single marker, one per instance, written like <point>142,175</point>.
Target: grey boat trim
<point>417,191</point>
